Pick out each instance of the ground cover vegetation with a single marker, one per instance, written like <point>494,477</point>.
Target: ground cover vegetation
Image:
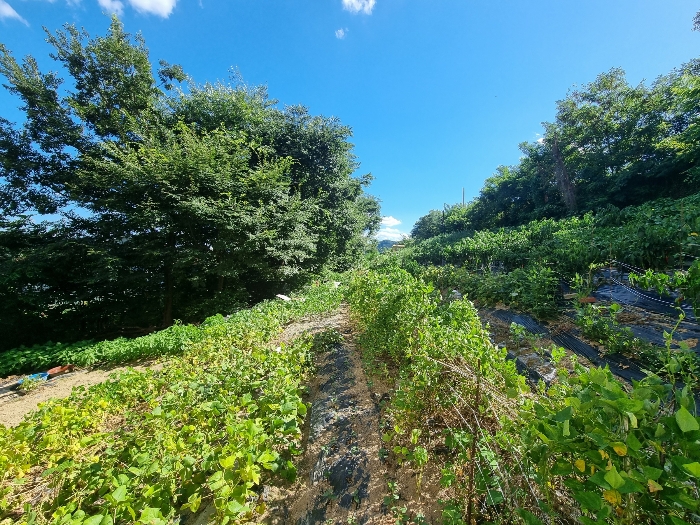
<point>131,197</point>
<point>147,446</point>
<point>531,267</point>
<point>587,449</point>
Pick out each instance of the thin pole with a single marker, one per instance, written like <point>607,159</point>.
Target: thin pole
<point>472,451</point>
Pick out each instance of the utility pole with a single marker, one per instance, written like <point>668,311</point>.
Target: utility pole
<point>462,196</point>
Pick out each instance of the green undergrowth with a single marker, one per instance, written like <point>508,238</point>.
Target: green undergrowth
<point>660,234</point>
<point>587,449</point>
<point>149,446</point>
<point>171,341</point>
<point>531,289</point>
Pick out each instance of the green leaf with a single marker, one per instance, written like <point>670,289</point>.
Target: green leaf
<point>267,458</point>
<point>633,443</point>
<point>494,497</point>
<point>119,494</point>
<point>93,520</point>
<point>599,479</point>
<point>676,521</point>
<point>565,430</point>
<point>686,421</point>
<point>228,462</point>
<point>528,517</point>
<point>693,468</point>
<point>588,500</point>
<point>564,415</point>
<point>652,473</point>
<point>235,508</point>
<point>614,479</point>
<point>630,487</point>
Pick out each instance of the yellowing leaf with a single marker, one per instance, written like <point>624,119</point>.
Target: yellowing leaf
<point>654,486</point>
<point>580,465</point>
<point>613,497</point>
<point>620,449</point>
<point>228,462</point>
<point>251,473</point>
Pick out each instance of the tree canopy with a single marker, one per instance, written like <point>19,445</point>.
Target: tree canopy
<point>126,201</point>
<point>611,144</point>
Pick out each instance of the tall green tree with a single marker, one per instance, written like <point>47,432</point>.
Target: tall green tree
<point>177,203</point>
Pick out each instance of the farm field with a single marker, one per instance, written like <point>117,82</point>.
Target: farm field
<point>206,319</point>
<point>417,412</point>
<point>140,446</point>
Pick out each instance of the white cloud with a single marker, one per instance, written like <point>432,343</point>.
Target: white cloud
<point>357,6</point>
<point>6,11</point>
<point>540,140</point>
<point>391,234</point>
<point>388,230</point>
<point>155,7</point>
<point>112,6</point>
<point>340,33</point>
<point>390,221</point>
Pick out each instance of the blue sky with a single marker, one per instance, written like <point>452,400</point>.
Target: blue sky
<point>438,92</point>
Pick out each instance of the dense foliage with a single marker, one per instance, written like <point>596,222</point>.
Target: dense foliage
<point>211,426</point>
<point>162,203</point>
<point>586,449</point>
<point>611,144</point>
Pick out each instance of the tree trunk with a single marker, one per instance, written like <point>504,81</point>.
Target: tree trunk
<point>169,293</point>
<point>568,192</point>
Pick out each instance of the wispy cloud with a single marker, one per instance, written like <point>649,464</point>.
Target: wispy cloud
<point>359,6</point>
<point>388,231</point>
<point>162,8</point>
<point>6,11</point>
<point>112,6</point>
<point>340,33</point>
<point>154,7</point>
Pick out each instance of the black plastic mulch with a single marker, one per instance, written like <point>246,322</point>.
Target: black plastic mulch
<point>620,365</point>
<point>618,289</point>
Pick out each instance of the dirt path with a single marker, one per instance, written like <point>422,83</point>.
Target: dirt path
<point>13,407</point>
<point>340,476</point>
<point>343,474</point>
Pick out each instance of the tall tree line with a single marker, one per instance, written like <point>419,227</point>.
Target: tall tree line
<point>128,202</point>
<point>611,144</point>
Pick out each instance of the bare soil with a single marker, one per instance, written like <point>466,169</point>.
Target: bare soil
<point>14,406</point>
